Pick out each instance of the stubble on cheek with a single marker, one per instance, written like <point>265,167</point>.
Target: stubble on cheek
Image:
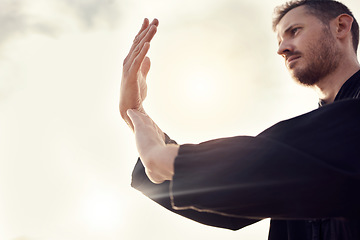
<point>319,60</point>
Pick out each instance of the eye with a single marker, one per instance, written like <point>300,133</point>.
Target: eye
<point>295,30</point>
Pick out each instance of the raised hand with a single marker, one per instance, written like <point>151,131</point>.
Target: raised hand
<point>136,66</point>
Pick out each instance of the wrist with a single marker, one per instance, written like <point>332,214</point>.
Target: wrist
<point>123,113</point>
<point>160,163</point>
<point>171,152</point>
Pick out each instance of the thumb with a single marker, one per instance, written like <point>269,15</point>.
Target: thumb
<point>130,114</point>
<point>145,67</point>
<point>133,115</point>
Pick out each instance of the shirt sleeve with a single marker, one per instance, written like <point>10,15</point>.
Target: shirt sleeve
<point>305,167</point>
<point>160,194</point>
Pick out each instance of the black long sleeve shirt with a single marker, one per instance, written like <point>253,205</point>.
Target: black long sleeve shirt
<point>303,173</point>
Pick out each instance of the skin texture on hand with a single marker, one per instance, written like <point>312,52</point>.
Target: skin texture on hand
<point>136,66</point>
<point>157,157</point>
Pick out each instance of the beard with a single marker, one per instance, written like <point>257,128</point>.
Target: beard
<point>322,58</point>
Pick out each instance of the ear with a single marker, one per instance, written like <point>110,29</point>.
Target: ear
<point>343,25</point>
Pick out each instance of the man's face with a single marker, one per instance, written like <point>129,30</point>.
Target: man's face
<point>308,46</point>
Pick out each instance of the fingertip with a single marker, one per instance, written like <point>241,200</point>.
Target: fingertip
<point>144,26</point>
<point>156,22</point>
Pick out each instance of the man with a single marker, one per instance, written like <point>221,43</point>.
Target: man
<point>303,173</point>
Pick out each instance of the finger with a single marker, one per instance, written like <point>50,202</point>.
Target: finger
<point>143,30</point>
<point>136,64</point>
<point>145,36</point>
<point>143,26</point>
<point>155,22</point>
<point>145,66</point>
<point>136,48</point>
<point>146,25</point>
<point>149,34</point>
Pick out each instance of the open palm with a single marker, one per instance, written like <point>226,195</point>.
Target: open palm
<point>136,66</point>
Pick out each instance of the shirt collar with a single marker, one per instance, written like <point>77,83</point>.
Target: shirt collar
<point>350,89</point>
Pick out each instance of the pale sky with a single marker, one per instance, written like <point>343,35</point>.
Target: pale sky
<point>66,156</point>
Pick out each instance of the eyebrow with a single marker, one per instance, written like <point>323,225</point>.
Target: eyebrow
<point>290,28</point>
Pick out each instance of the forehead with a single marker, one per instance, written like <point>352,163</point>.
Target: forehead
<point>299,15</point>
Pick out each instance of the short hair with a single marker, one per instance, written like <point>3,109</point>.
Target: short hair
<point>324,10</point>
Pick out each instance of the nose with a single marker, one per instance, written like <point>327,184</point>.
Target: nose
<point>284,48</point>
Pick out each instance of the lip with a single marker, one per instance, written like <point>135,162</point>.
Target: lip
<point>291,60</point>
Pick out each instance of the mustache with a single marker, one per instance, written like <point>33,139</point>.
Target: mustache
<point>290,54</point>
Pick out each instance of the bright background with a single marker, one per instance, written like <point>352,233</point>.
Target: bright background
<point>66,156</point>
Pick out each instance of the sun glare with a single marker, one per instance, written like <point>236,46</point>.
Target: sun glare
<point>101,211</point>
<point>200,85</point>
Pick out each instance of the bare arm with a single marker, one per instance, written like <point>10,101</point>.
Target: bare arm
<point>157,157</point>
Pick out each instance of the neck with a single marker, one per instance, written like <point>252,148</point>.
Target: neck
<point>328,87</point>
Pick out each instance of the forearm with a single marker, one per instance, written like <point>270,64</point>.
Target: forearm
<point>157,156</point>
<point>159,162</point>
